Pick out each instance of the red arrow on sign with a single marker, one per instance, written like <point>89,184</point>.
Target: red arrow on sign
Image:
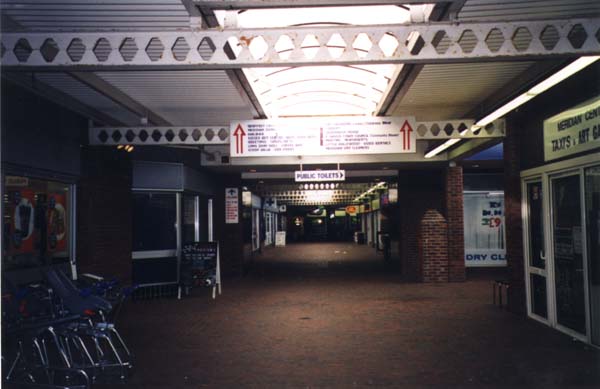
<point>406,129</point>
<point>239,134</point>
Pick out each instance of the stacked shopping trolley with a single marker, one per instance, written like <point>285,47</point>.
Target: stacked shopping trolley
<point>59,334</point>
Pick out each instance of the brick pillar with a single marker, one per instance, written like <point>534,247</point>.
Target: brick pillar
<point>514,224</point>
<point>104,214</point>
<point>433,247</point>
<point>454,217</point>
<point>230,236</point>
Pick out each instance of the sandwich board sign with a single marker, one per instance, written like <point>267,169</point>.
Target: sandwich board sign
<point>201,266</point>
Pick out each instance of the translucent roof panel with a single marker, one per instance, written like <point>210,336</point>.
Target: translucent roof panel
<point>284,17</point>
<point>320,90</point>
<point>297,91</point>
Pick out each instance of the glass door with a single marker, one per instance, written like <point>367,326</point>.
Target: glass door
<point>568,249</point>
<point>592,218</point>
<point>536,252</point>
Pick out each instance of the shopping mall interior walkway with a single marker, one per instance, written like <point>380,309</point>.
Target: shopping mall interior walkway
<point>333,315</point>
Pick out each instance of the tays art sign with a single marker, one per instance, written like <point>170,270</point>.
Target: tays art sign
<point>573,131</point>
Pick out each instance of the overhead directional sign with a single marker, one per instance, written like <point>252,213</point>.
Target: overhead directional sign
<point>316,136</point>
<point>319,175</point>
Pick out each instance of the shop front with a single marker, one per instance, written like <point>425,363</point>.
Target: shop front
<point>561,225</point>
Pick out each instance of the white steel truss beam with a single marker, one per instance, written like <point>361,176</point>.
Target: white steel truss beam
<point>203,135</point>
<point>206,49</point>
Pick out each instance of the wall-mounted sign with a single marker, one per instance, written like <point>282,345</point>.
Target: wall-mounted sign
<point>352,210</point>
<point>231,206</point>
<point>333,136</point>
<point>573,131</point>
<point>270,204</point>
<point>319,175</point>
<point>16,181</point>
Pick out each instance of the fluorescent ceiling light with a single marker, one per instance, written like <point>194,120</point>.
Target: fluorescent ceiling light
<point>539,88</point>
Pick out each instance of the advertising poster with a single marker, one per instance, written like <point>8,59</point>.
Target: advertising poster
<point>22,228</point>
<point>484,229</point>
<point>56,219</point>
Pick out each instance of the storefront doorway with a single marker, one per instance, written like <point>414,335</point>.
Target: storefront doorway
<point>561,210</point>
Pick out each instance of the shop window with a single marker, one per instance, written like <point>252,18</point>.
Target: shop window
<point>154,221</point>
<point>484,229</point>
<point>36,223</point>
<point>592,212</point>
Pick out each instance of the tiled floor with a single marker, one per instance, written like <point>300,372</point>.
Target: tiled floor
<point>332,315</point>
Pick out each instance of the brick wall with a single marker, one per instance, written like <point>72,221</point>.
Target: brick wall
<point>433,247</point>
<point>454,217</point>
<point>418,192</point>
<point>104,214</point>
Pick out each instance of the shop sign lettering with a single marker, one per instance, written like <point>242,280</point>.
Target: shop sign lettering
<point>573,131</point>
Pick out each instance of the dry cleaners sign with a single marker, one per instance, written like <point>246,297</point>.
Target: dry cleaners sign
<point>333,136</point>
<point>573,131</point>
<point>319,175</point>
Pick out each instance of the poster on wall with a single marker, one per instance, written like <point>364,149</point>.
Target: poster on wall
<point>56,219</point>
<point>484,229</point>
<point>22,229</point>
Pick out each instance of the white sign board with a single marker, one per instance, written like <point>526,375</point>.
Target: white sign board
<point>280,238</point>
<point>485,241</point>
<point>319,175</point>
<point>573,131</point>
<point>316,136</point>
<point>231,206</point>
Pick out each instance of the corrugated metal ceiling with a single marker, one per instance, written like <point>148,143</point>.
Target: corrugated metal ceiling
<point>141,15</point>
<point>184,97</point>
<point>209,97</point>
<point>449,91</point>
<point>528,9</point>
<point>67,84</point>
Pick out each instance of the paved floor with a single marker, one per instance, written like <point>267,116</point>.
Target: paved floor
<point>331,315</point>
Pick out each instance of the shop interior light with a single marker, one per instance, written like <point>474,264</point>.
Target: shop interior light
<point>539,88</point>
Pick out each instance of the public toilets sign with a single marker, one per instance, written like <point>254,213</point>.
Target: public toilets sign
<point>315,136</point>
<point>319,175</point>
<point>573,131</point>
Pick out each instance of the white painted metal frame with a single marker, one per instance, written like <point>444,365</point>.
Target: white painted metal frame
<point>170,135</point>
<point>574,166</point>
<point>73,229</point>
<point>194,47</point>
<point>527,251</point>
<point>203,135</point>
<point>210,221</point>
